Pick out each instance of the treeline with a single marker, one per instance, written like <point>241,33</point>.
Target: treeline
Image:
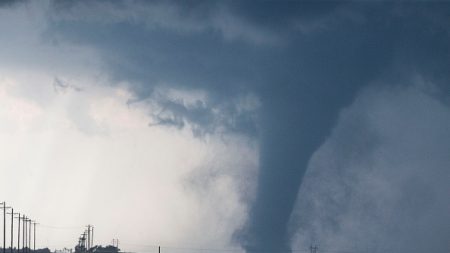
<point>14,250</point>
<point>95,249</point>
<point>105,249</point>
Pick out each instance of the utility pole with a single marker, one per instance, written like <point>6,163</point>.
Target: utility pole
<point>4,225</point>
<point>29,235</point>
<point>12,228</point>
<point>24,237</point>
<point>18,234</point>
<point>24,218</point>
<point>313,248</point>
<point>88,237</point>
<point>34,235</point>
<point>25,234</point>
<point>92,242</point>
<point>115,243</point>
<point>159,249</point>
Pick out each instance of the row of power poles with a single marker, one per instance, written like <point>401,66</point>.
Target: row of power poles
<point>27,231</point>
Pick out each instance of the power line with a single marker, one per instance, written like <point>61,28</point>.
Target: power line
<point>58,227</point>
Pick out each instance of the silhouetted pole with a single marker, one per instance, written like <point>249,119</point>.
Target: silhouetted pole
<point>116,243</point>
<point>88,237</point>
<point>23,232</point>
<point>34,235</point>
<point>25,235</point>
<point>4,226</point>
<point>24,238</point>
<point>29,236</point>
<point>12,228</point>
<point>159,249</point>
<point>18,234</point>
<point>92,242</point>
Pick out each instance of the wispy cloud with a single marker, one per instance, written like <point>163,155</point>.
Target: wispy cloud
<point>61,86</point>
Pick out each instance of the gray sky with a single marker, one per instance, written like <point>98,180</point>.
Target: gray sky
<point>252,126</point>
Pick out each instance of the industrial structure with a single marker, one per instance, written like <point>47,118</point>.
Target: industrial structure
<point>86,243</point>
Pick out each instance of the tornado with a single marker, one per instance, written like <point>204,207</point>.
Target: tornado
<point>300,105</point>
<point>295,123</point>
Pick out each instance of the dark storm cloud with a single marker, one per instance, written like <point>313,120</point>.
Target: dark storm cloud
<point>9,3</point>
<point>305,61</point>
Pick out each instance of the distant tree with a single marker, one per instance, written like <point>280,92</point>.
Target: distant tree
<point>106,249</point>
<point>44,250</point>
